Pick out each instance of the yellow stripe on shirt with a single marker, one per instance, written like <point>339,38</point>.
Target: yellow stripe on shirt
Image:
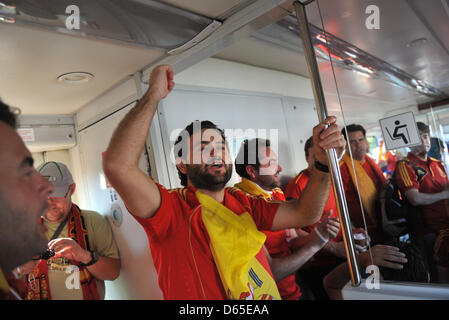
<point>3,283</point>
<point>405,175</point>
<point>299,177</point>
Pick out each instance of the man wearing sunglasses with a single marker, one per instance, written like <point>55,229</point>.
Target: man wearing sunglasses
<point>81,250</point>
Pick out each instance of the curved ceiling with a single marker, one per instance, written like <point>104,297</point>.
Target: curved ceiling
<point>33,57</point>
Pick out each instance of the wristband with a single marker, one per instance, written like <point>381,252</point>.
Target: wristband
<point>321,167</point>
<point>94,259</point>
<point>321,236</point>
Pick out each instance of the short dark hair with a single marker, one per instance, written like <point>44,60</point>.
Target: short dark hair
<point>415,270</point>
<point>249,151</point>
<point>353,128</point>
<point>308,145</point>
<point>437,146</point>
<point>190,130</point>
<point>422,127</point>
<point>7,116</point>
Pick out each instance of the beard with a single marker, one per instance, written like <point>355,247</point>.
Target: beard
<point>202,179</point>
<point>21,238</point>
<point>38,242</point>
<point>272,183</point>
<point>268,183</point>
<point>55,214</point>
<point>358,154</point>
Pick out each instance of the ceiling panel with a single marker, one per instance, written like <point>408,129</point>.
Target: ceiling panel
<point>32,59</point>
<point>401,23</point>
<point>363,100</point>
<point>261,54</point>
<point>208,8</point>
<point>146,23</point>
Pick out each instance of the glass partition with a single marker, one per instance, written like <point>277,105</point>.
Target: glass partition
<point>376,60</point>
<point>384,67</point>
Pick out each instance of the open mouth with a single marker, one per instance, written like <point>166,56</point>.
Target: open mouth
<point>216,163</point>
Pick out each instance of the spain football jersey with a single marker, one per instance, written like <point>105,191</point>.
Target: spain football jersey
<point>180,244</point>
<point>296,187</point>
<point>278,242</point>
<point>430,177</point>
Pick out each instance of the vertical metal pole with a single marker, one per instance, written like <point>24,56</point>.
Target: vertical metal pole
<point>331,154</point>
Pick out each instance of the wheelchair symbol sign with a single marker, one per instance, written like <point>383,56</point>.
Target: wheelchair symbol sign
<point>400,131</point>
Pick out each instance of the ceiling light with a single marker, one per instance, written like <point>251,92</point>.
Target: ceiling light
<point>75,77</point>
<point>417,43</point>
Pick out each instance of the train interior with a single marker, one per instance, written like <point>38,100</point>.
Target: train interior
<point>238,63</point>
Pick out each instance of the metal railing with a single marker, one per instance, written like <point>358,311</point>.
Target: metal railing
<point>334,167</point>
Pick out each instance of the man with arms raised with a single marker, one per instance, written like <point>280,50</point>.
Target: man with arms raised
<point>187,227</point>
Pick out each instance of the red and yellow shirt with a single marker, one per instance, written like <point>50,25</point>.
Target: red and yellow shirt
<point>353,202</point>
<point>293,191</point>
<point>180,244</point>
<point>4,287</point>
<point>278,242</point>
<point>433,179</point>
<point>296,187</point>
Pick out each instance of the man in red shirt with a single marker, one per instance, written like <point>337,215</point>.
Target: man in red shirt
<point>257,164</point>
<point>311,274</point>
<point>298,183</point>
<point>367,178</point>
<point>185,225</point>
<point>427,187</point>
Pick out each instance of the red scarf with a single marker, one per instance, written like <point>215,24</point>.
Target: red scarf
<point>41,285</point>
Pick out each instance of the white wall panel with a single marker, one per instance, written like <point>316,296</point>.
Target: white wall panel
<point>301,117</point>
<point>38,158</point>
<point>224,74</point>
<point>233,109</point>
<point>138,279</point>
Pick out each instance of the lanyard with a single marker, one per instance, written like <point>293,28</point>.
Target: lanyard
<point>60,227</point>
